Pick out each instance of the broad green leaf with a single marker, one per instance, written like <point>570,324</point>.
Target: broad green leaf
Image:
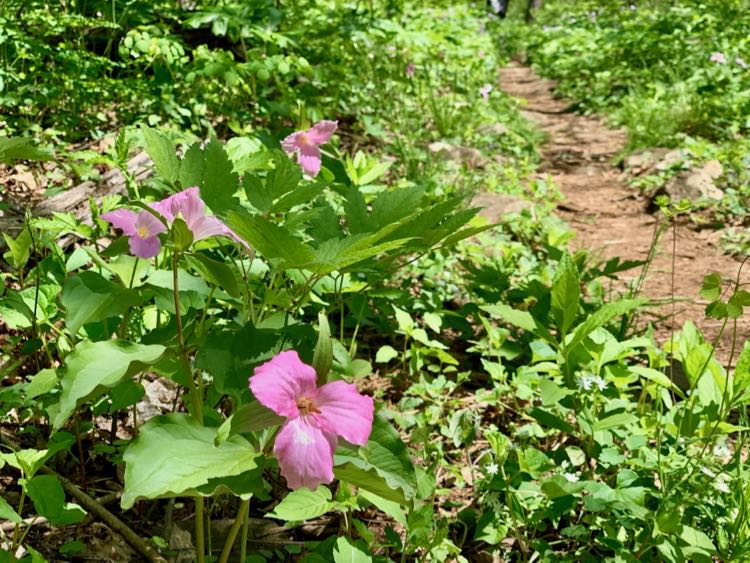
<point>566,294</point>
<point>21,148</point>
<point>162,152</point>
<point>303,504</point>
<point>391,508</point>
<point>48,496</point>
<point>615,420</point>
<point>601,317</point>
<point>174,455</point>
<point>252,417</point>
<point>7,512</point>
<point>368,480</point>
<point>385,354</point>
<point>89,297</point>
<point>19,248</point>
<point>652,375</point>
<point>347,552</point>
<point>94,367</point>
<point>215,272</point>
<point>41,383</point>
<point>387,455</point>
<point>219,182</point>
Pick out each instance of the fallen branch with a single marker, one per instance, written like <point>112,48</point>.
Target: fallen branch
<point>141,545</point>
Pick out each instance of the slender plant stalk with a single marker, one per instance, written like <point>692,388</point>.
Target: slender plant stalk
<point>196,400</point>
<point>239,520</point>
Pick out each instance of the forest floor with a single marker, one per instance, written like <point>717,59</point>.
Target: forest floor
<point>612,219</point>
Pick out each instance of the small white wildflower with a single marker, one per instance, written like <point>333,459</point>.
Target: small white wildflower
<point>721,450</point>
<point>585,382</point>
<point>708,472</point>
<point>572,477</point>
<point>721,485</point>
<point>492,468</point>
<point>600,383</point>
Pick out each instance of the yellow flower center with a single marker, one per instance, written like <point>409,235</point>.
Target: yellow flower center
<point>304,139</point>
<point>142,231</point>
<point>306,406</point>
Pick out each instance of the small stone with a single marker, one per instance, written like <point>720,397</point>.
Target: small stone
<point>494,206</point>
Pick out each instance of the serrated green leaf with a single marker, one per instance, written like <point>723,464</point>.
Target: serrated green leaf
<point>192,167</point>
<point>271,240</point>
<point>566,294</point>
<point>219,182</point>
<point>21,148</point>
<point>162,152</point>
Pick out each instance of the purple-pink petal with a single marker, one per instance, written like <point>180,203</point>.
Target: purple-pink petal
<point>309,159</point>
<point>123,219</point>
<point>147,247</point>
<point>280,382</point>
<point>345,412</point>
<point>148,225</point>
<point>321,132</point>
<point>305,453</point>
<point>292,142</point>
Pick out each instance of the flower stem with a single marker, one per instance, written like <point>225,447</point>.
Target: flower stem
<point>238,522</point>
<point>196,400</point>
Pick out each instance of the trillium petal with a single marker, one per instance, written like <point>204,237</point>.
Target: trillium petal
<point>321,132</point>
<point>147,247</point>
<point>149,224</point>
<point>292,142</point>
<point>309,159</point>
<point>281,381</point>
<point>345,412</point>
<point>305,453</point>
<point>122,219</point>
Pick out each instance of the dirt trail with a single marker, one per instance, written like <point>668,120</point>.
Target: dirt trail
<point>608,216</point>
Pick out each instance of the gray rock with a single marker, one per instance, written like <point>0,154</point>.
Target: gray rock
<point>697,184</point>
<point>496,205</point>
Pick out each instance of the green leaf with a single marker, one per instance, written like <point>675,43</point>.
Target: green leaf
<point>215,272</point>
<point>303,504</point>
<point>7,512</point>
<point>387,455</point>
<point>566,294</point>
<point>19,248</point>
<point>41,383</point>
<point>181,234</point>
<point>347,552</point>
<point>613,421</point>
<point>252,417</point>
<point>385,354</point>
<point>174,455</point>
<point>323,356</point>
<point>21,148</point>
<point>162,152</point>
<point>711,288</point>
<point>94,367</point>
<point>219,182</point>
<point>368,480</point>
<point>89,297</point>
<point>48,496</point>
<point>192,166</point>
<point>601,317</point>
<point>741,380</point>
<point>271,240</point>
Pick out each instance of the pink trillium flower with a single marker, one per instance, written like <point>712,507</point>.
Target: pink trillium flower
<point>189,206</point>
<point>410,68</point>
<point>741,62</point>
<point>718,58</point>
<point>306,143</point>
<point>142,230</point>
<point>485,92</point>
<point>315,417</point>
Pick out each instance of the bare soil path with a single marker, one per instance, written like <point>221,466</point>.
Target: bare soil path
<point>611,219</point>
